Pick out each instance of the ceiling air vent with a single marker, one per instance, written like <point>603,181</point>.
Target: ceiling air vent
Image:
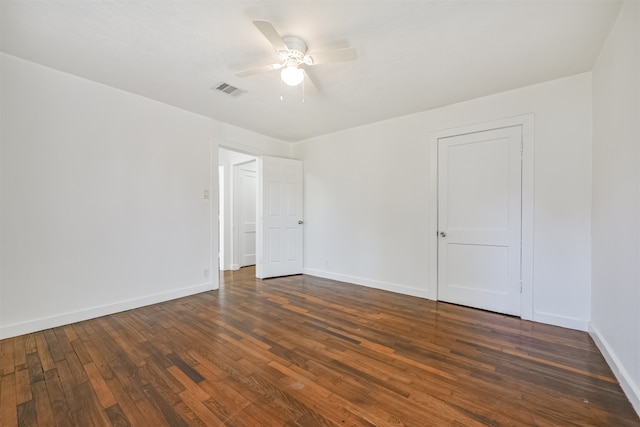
<point>228,89</point>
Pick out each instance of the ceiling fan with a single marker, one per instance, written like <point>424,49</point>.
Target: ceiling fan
<point>293,57</point>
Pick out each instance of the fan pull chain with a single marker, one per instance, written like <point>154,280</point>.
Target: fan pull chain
<point>282,93</point>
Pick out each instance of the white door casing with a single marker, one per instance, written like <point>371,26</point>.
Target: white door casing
<point>245,194</point>
<point>479,219</point>
<point>280,217</point>
<point>222,256</point>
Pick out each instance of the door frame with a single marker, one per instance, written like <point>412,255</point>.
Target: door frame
<point>225,209</point>
<point>526,122</point>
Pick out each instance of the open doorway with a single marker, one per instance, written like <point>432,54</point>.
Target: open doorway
<point>238,201</point>
<point>244,212</point>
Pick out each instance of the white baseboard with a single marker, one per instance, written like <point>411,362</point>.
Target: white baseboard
<point>630,388</point>
<point>564,321</point>
<point>8,331</point>
<point>235,266</point>
<point>552,319</point>
<point>392,287</point>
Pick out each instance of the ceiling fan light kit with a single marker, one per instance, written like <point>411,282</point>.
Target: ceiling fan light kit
<point>292,75</point>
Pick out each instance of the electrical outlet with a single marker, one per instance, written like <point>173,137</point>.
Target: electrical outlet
<point>205,195</point>
<point>205,273</point>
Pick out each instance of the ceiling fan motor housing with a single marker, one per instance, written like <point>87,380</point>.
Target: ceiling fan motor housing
<point>297,49</point>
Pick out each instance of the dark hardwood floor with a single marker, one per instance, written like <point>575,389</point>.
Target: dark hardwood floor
<point>304,351</point>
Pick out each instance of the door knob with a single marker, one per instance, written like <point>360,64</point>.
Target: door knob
<point>443,234</point>
<point>300,222</point>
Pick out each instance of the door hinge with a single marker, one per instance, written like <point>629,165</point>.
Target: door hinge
<point>521,286</point>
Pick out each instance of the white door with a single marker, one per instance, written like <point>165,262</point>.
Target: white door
<point>479,219</point>
<point>245,185</point>
<point>280,219</point>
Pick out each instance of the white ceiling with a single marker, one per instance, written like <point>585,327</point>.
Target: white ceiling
<point>412,55</point>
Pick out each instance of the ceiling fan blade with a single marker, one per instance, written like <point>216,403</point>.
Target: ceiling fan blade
<point>338,55</point>
<point>267,30</point>
<point>258,70</point>
<point>309,87</point>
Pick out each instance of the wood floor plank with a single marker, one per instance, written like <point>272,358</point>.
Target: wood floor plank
<point>129,347</point>
<point>81,351</point>
<point>75,367</point>
<point>199,409</point>
<point>151,414</point>
<point>117,417</point>
<point>224,401</point>
<point>42,403</point>
<point>99,386</point>
<point>155,371</point>
<point>27,414</point>
<point>19,353</point>
<point>70,333</point>
<point>188,383</point>
<point>61,414</point>
<point>161,401</point>
<point>23,386</point>
<point>36,372</point>
<point>44,353</point>
<point>126,409</point>
<point>188,371</point>
<point>8,410</point>
<point>317,397</point>
<point>30,343</point>
<point>127,379</point>
<point>53,346</point>
<point>307,351</point>
<point>7,364</point>
<point>69,386</point>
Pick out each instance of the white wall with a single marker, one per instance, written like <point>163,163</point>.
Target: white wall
<point>102,198</point>
<point>616,200</point>
<point>367,189</point>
